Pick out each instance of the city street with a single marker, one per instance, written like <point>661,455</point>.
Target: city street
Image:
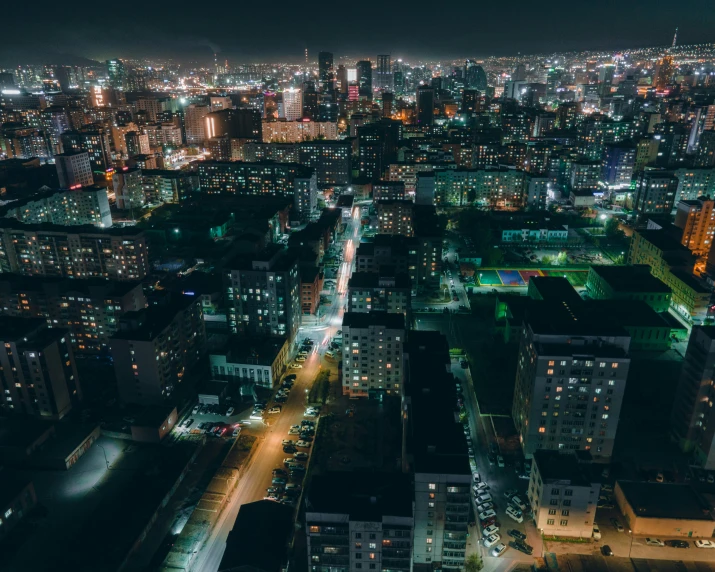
<point>269,454</point>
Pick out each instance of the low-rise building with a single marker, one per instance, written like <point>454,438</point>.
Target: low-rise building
<point>251,359</point>
<point>536,234</point>
<point>17,499</point>
<point>664,510</point>
<point>582,198</point>
<point>356,519</point>
<point>628,283</point>
<point>562,495</point>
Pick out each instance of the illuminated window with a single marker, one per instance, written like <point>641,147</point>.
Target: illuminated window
<point>432,487</point>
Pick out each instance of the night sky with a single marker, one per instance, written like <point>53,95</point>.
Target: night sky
<point>253,31</point>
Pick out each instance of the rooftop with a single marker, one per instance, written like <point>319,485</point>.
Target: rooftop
<point>374,280</point>
<point>561,467</point>
<point>662,240</point>
<point>256,350</point>
<point>636,278</point>
<point>361,320</point>
<point>146,324</point>
<point>365,496</point>
<point>665,500</point>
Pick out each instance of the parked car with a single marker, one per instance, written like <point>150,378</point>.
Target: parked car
<point>606,550</point>
<point>480,487</point>
<point>704,544</point>
<point>500,461</point>
<point>617,525</point>
<point>677,543</point>
<point>516,534</point>
<point>196,409</point>
<point>491,540</point>
<point>485,497</point>
<point>514,514</point>
<point>521,546</point>
<point>279,473</point>
<point>230,411</point>
<point>654,542</point>
<point>489,530</point>
<point>486,506</point>
<point>487,514</point>
<point>296,366</point>
<point>498,550</point>
<point>516,501</point>
<point>275,409</point>
<point>300,455</point>
<point>294,431</point>
<point>596,532</point>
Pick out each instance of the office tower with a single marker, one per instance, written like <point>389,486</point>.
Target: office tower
<point>387,100</point>
<point>383,74</point>
<point>696,220</point>
<point>194,123</point>
<point>128,188</point>
<point>7,80</point>
<point>438,459</point>
<point>567,115</point>
<point>116,72</point>
<point>395,217</point>
<point>155,349</point>
<point>89,309</point>
<point>74,169</point>
<point>353,518</point>
<point>673,146</point>
<point>655,192</point>
<point>95,142</point>
<point>153,106</point>
<point>310,101</point>
<point>474,76</point>
<point>292,104</point>
<point>704,121</point>
<point>137,143</point>
<point>562,495</point>
<point>263,293</point>
<point>424,112</point>
<point>38,372</point>
<point>618,164</point>
<point>373,354</point>
<point>115,254</point>
<point>364,77</point>
<point>325,69</point>
<point>692,422</point>
<point>605,79</point>
<point>331,161</point>
<point>305,197</point>
<point>571,376</point>
<point>85,206</point>
<point>342,77</point>
<point>380,291</point>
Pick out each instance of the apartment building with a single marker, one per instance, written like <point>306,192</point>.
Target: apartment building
<point>74,169</point>
<point>88,205</point>
<point>628,283</point>
<point>389,191</point>
<point>395,217</point>
<point>89,309</point>
<point>311,284</point>
<point>194,123</point>
<point>38,374</point>
<point>655,192</point>
<point>562,494</point>
<point>267,178</point>
<point>155,348</point>
<point>693,418</point>
<point>297,131</point>
<point>696,220</point>
<point>128,188</point>
<point>380,291</point>
<point>331,161</point>
<point>572,369</point>
<point>167,186</point>
<point>263,293</point>
<point>359,521</point>
<point>373,354</point>
<point>256,360</point>
<point>79,252</point>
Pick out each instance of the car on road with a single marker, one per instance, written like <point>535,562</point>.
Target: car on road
<point>500,461</point>
<point>279,473</point>
<point>491,540</point>
<point>704,544</point>
<point>677,543</point>
<point>617,525</point>
<point>484,497</point>
<point>514,533</point>
<point>606,550</point>
<point>287,442</point>
<point>303,444</point>
<point>489,530</point>
<point>514,514</point>
<point>236,432</point>
<point>654,542</point>
<point>296,366</point>
<point>275,409</point>
<point>596,532</point>
<point>491,458</point>
<point>196,410</point>
<point>230,411</point>
<point>187,423</point>
<point>498,550</point>
<point>289,448</point>
<point>487,514</point>
<point>300,455</point>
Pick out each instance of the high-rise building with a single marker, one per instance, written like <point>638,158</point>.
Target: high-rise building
<point>311,109</point>
<point>655,192</point>
<point>470,101</point>
<point>373,354</point>
<point>395,217</point>
<point>692,418</point>
<point>382,292</point>
<point>37,369</point>
<point>267,178</point>
<point>331,161</point>
<point>570,381</point>
<point>364,77</point>
<point>705,154</point>
<point>618,164</point>
<point>234,124</point>
<point>696,219</point>
<point>194,123</point>
<point>154,349</point>
<point>388,99</point>
<point>74,169</point>
<point>128,188</point>
<point>424,112</point>
<point>55,122</point>
<point>664,71</point>
<point>474,76</point>
<point>384,80</point>
<point>292,104</point>
<point>116,72</point>
<point>137,143</point>
<point>93,141</point>
<point>562,495</point>
<point>325,69</point>
<point>605,79</point>
<point>85,206</point>
<point>263,293</point>
<point>388,191</point>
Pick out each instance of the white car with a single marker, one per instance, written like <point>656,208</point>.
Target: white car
<point>300,455</point>
<point>484,507</point>
<point>195,410</point>
<point>516,501</point>
<point>476,478</point>
<point>273,410</point>
<point>300,359</point>
<point>480,487</point>
<point>705,544</point>
<point>514,514</point>
<point>486,497</point>
<point>296,366</point>
<point>654,542</point>
<point>498,550</point>
<point>230,411</point>
<point>500,461</point>
<point>303,444</point>
<point>491,540</point>
<point>596,532</point>
<point>487,514</point>
<point>489,530</point>
<point>294,431</point>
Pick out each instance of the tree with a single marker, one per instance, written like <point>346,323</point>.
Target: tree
<point>562,258</point>
<point>473,563</point>
<point>547,260</point>
<point>612,228</point>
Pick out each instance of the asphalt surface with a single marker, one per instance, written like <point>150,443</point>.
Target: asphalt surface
<point>269,453</point>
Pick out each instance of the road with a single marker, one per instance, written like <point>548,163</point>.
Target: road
<point>269,454</point>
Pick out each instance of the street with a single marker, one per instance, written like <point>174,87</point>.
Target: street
<point>269,453</point>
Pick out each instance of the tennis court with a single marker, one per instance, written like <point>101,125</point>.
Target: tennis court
<point>489,278</point>
<point>510,278</point>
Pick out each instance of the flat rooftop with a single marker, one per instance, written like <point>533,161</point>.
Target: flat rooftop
<point>554,466</point>
<point>146,324</point>
<point>361,320</point>
<point>662,240</point>
<point>373,279</point>
<point>636,278</point>
<point>365,496</point>
<point>665,500</point>
<point>257,350</point>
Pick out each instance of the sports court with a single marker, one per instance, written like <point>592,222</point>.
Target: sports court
<point>517,278</point>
